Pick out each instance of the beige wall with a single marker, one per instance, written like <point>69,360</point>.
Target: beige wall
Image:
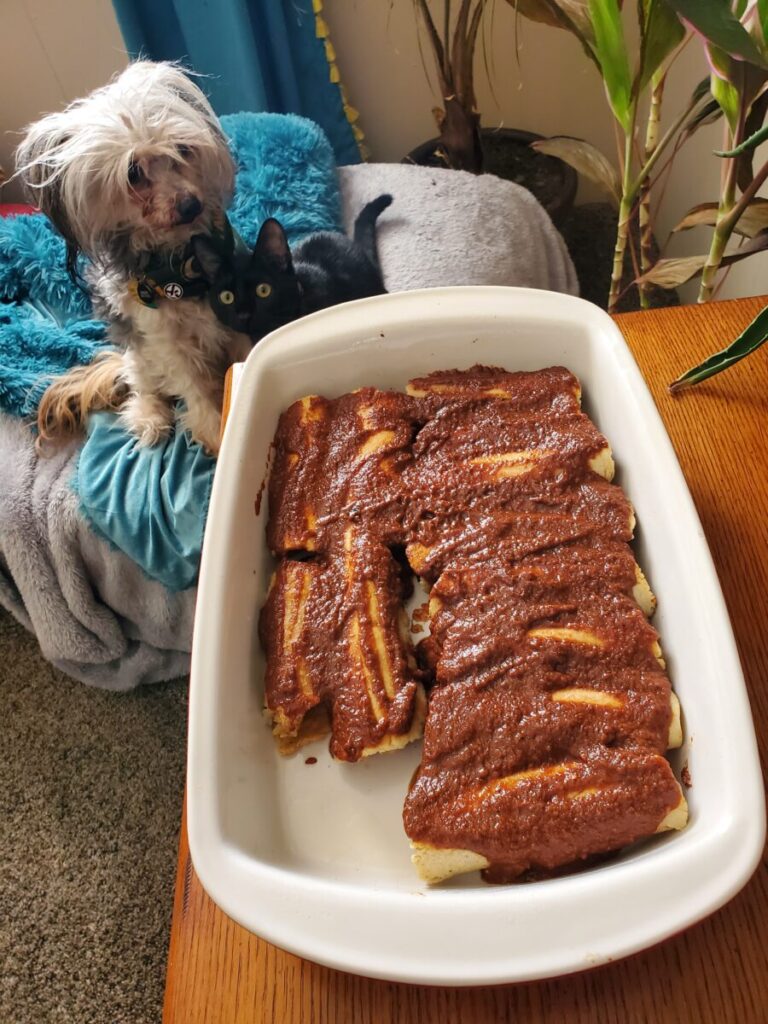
<point>546,87</point>
<point>52,51</point>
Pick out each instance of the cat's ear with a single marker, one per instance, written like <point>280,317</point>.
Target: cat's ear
<point>208,256</point>
<point>272,244</point>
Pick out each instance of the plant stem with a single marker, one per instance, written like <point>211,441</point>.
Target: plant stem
<point>644,213</point>
<point>631,187</point>
<point>446,31</point>
<point>728,215</point>
<point>719,241</point>
<point>746,197</point>
<point>723,225</point>
<point>628,193</point>
<point>666,138</point>
<point>441,56</point>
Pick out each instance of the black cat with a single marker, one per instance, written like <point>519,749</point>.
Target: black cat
<point>257,292</point>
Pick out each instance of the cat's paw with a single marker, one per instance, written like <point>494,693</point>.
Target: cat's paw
<point>148,418</point>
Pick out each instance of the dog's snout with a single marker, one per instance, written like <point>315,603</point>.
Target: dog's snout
<point>187,208</point>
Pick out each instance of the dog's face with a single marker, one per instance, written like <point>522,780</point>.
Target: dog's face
<point>165,191</point>
<point>141,163</point>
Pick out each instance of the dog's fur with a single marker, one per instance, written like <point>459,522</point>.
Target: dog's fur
<point>117,173</point>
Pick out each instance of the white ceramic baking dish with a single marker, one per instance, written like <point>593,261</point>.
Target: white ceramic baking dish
<point>313,857</point>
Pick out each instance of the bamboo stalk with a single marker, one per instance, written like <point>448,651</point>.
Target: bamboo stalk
<point>720,238</point>
<point>723,226</point>
<point>666,138</point>
<point>631,187</point>
<point>628,194</point>
<point>644,213</point>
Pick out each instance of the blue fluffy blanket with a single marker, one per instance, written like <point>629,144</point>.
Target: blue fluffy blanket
<point>149,509</point>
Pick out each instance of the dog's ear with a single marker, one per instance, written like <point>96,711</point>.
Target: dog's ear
<point>208,256</point>
<point>272,245</point>
<point>44,187</point>
<point>50,201</point>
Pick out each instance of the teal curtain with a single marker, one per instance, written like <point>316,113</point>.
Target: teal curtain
<point>260,55</point>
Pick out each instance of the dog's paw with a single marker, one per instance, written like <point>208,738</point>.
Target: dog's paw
<point>203,422</point>
<point>149,419</point>
<point>152,432</point>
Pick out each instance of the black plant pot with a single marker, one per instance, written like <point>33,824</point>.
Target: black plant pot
<point>507,154</point>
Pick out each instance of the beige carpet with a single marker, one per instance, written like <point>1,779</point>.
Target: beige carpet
<point>90,799</point>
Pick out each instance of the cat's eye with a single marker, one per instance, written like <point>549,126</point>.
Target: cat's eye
<point>263,290</point>
<point>226,297</point>
<point>135,173</point>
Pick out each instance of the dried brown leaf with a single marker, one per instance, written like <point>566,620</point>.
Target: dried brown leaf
<point>584,158</point>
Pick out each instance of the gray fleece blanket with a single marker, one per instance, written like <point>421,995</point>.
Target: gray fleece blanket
<point>97,616</point>
<point>452,228</point>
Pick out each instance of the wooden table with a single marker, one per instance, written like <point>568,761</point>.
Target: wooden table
<point>717,971</point>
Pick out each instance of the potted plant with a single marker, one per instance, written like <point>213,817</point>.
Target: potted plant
<point>735,36</point>
<point>453,31</point>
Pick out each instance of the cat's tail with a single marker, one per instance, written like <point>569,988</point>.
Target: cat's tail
<point>365,225</point>
<point>68,399</point>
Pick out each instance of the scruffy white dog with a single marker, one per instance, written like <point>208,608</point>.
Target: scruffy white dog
<point>129,175</point>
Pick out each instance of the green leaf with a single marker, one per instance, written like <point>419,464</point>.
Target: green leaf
<point>611,52</point>
<point>762,14</point>
<point>584,158</point>
<point>715,21</point>
<point>745,171</point>
<point>748,144</point>
<point>722,87</point>
<point>661,33</point>
<point>747,342</point>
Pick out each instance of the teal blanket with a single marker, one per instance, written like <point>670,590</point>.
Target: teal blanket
<point>151,503</point>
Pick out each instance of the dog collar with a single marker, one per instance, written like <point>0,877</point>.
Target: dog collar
<point>176,274</point>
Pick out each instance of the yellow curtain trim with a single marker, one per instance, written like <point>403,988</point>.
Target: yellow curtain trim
<point>322,32</point>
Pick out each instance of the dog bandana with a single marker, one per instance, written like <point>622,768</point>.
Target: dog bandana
<point>176,274</point>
